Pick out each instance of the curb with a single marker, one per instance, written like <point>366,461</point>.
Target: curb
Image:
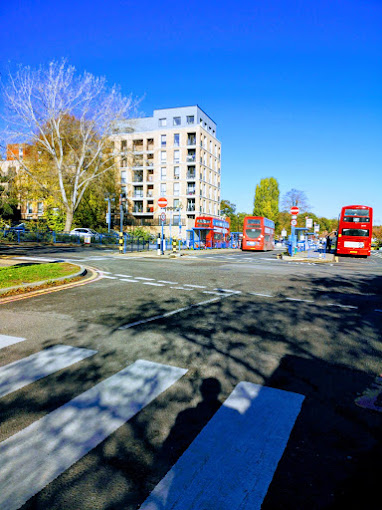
<point>81,272</point>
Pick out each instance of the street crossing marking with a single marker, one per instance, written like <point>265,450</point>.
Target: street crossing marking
<point>180,288</point>
<point>256,423</point>
<point>261,295</point>
<point>109,277</point>
<point>170,283</point>
<point>131,281</point>
<point>38,454</point>
<point>6,340</point>
<point>229,290</point>
<point>143,278</point>
<point>152,283</point>
<point>20,373</point>
<point>194,286</point>
<point>124,275</point>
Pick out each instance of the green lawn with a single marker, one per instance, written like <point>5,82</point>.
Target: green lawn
<point>17,275</point>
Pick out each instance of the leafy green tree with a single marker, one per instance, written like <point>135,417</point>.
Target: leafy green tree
<point>267,199</point>
<point>227,208</point>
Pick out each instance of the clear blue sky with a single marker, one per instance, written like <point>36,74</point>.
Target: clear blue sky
<point>294,85</point>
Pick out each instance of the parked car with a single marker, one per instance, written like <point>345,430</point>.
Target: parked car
<point>82,232</point>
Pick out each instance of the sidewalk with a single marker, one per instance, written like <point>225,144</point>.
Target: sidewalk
<point>303,256</point>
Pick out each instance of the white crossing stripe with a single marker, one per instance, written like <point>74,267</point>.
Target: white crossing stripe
<point>255,422</point>
<point>296,299</point>
<point>229,290</point>
<point>128,280</point>
<point>143,278</point>
<point>152,283</point>
<point>6,340</point>
<point>261,295</point>
<point>194,286</point>
<point>41,259</point>
<point>35,456</point>
<point>211,292</point>
<point>20,373</point>
<point>180,288</point>
<point>124,275</point>
<point>165,281</point>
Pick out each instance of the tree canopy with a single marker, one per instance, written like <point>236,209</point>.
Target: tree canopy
<point>68,119</point>
<point>295,197</point>
<point>267,199</point>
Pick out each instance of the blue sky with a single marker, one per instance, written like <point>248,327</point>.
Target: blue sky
<point>294,85</point>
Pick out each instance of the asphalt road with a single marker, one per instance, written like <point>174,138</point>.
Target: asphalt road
<point>312,330</point>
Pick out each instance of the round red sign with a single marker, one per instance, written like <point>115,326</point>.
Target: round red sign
<point>294,210</point>
<point>162,202</point>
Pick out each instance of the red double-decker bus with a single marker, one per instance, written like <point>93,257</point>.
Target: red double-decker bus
<point>258,233</point>
<point>211,232</point>
<point>355,230</point>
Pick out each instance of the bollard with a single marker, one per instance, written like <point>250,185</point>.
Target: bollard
<point>163,244</point>
<point>174,246</point>
<point>121,247</point>
<point>158,245</point>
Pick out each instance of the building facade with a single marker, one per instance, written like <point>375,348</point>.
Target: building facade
<point>173,154</point>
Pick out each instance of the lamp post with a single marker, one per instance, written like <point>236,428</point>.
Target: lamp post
<point>109,197</point>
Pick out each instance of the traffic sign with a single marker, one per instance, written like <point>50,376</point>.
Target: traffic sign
<point>163,216</point>
<point>294,210</point>
<point>162,202</point>
<point>293,223</point>
<point>294,216</point>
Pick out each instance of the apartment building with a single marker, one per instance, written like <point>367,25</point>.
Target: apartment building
<point>173,154</point>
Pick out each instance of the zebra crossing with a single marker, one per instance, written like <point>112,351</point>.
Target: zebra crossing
<point>376,253</point>
<point>256,421</point>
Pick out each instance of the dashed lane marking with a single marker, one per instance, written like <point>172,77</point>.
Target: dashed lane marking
<point>6,340</point>
<point>153,283</point>
<point>109,277</point>
<point>28,370</point>
<point>261,295</point>
<point>174,312</point>
<point>180,288</point>
<point>38,454</point>
<point>143,278</point>
<point>124,275</point>
<point>304,300</point>
<point>194,286</point>
<point>170,283</point>
<point>256,422</point>
<point>130,281</point>
<point>229,290</point>
<point>211,292</point>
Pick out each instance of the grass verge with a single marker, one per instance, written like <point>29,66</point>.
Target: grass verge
<point>24,274</point>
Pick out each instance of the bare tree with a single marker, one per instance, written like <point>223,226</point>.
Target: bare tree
<point>42,104</point>
<point>295,197</point>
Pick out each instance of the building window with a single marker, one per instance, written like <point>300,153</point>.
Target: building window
<point>123,177</point>
<point>163,173</point>
<point>40,207</point>
<point>176,188</point>
<point>162,122</point>
<point>176,121</point>
<point>176,202</point>
<point>190,119</point>
<point>176,156</point>
<point>176,172</point>
<point>29,208</point>
<point>163,140</point>
<point>163,189</point>
<point>163,156</point>
<point>176,139</point>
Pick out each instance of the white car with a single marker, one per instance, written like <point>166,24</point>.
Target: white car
<point>84,232</point>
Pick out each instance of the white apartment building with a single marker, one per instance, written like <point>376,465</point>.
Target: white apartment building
<point>173,154</point>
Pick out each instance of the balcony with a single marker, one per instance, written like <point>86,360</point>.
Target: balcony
<point>191,141</point>
<point>191,208</point>
<point>150,177</point>
<point>190,191</point>
<point>176,177</point>
<point>138,178</point>
<point>191,158</point>
<point>191,175</point>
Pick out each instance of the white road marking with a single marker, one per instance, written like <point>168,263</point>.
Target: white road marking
<point>25,371</point>
<point>229,290</point>
<point>212,292</point>
<point>152,283</point>
<point>256,423</point>
<point>142,278</point>
<point>165,281</point>
<point>261,295</point>
<point>128,280</point>
<point>6,340</point>
<point>168,314</point>
<point>180,288</point>
<point>194,286</point>
<point>35,456</point>
<point>42,259</point>
<point>341,306</point>
<point>124,275</point>
<point>304,300</point>
<point>110,277</point>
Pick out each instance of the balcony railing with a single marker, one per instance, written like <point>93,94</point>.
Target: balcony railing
<point>191,158</point>
<point>191,175</point>
<point>176,176</point>
<point>191,191</point>
<point>190,208</point>
<point>138,195</point>
<point>191,141</point>
<point>138,179</point>
<point>137,210</point>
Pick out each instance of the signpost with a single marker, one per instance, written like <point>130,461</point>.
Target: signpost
<point>294,210</point>
<point>162,202</point>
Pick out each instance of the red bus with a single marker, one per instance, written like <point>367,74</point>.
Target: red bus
<point>258,233</point>
<point>211,232</point>
<point>355,229</point>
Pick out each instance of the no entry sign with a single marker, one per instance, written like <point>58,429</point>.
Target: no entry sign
<point>294,210</point>
<point>162,202</point>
